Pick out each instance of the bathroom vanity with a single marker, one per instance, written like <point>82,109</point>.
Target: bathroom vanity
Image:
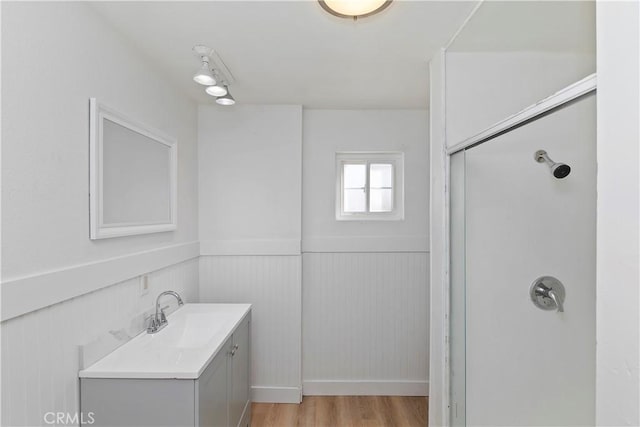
<point>194,372</point>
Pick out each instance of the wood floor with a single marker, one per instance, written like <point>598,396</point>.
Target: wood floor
<point>343,411</point>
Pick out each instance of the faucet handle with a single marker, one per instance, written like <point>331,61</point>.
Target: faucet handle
<point>163,317</point>
<point>152,324</point>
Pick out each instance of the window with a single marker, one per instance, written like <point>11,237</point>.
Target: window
<point>369,186</point>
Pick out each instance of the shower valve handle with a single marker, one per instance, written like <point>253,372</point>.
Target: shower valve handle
<point>547,293</point>
<point>556,300</point>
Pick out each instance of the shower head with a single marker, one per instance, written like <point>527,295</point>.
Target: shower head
<point>559,170</point>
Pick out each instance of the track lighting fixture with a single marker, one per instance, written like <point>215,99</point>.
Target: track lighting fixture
<point>214,74</point>
<point>216,90</point>
<point>204,76</point>
<point>226,99</point>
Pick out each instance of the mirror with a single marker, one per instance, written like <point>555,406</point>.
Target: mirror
<point>133,176</point>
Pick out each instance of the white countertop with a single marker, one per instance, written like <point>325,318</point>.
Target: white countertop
<point>182,349</point>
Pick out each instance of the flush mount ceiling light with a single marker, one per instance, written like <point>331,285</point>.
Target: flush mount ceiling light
<point>354,9</point>
<point>226,99</point>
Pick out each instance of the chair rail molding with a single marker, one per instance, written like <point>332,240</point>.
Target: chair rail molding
<point>333,244</point>
<point>251,247</point>
<point>21,295</point>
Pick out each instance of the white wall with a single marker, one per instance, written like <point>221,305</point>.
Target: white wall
<point>329,131</point>
<point>484,88</point>
<point>249,159</point>
<point>45,159</point>
<point>55,56</point>
<point>250,212</point>
<point>365,323</point>
<point>40,350</point>
<point>272,284</point>
<point>258,166</point>
<point>617,359</point>
<point>365,284</point>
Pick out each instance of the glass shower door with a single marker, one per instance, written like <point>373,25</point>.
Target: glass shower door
<point>516,360</point>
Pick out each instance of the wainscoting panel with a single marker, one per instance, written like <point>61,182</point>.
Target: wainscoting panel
<point>40,357</point>
<point>365,323</point>
<point>25,294</point>
<point>273,285</point>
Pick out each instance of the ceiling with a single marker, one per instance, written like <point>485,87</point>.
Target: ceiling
<point>293,52</point>
<point>543,26</point>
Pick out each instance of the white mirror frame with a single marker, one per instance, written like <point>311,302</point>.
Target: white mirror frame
<point>99,230</point>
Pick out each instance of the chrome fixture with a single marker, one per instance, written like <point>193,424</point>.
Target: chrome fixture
<point>233,350</point>
<point>559,170</point>
<point>354,9</point>
<point>226,99</point>
<point>214,74</point>
<point>547,293</point>
<point>159,320</point>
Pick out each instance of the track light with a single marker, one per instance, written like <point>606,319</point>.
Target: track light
<point>213,74</point>
<point>204,75</point>
<point>216,90</point>
<point>226,99</point>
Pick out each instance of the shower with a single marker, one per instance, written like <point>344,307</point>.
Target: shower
<point>559,170</point>
<point>539,232</point>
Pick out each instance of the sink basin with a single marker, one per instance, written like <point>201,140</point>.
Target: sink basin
<point>182,349</point>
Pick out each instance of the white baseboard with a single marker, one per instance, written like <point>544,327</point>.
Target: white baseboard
<point>276,394</point>
<point>365,388</point>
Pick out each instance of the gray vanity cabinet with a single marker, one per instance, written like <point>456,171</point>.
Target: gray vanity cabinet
<point>213,390</point>
<point>220,397</point>
<point>239,399</point>
<point>223,388</point>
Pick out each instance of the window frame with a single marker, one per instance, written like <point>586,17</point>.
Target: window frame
<point>396,159</point>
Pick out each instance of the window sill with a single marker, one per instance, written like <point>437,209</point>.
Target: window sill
<point>370,217</point>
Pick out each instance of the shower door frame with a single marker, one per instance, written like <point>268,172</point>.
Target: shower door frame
<point>545,106</point>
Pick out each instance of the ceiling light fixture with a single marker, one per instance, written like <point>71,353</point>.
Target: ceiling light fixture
<point>354,9</point>
<point>214,74</point>
<point>216,90</point>
<point>204,76</point>
<point>226,99</point>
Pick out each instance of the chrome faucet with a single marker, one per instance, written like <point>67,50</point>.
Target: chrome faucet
<point>159,320</point>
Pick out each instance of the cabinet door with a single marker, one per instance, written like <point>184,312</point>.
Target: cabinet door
<point>240,373</point>
<point>124,402</point>
<point>212,391</point>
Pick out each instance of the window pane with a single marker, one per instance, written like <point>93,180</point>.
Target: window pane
<point>381,200</point>
<point>355,200</point>
<point>355,175</point>
<point>381,175</point>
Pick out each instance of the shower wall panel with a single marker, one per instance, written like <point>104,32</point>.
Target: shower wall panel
<point>524,365</point>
